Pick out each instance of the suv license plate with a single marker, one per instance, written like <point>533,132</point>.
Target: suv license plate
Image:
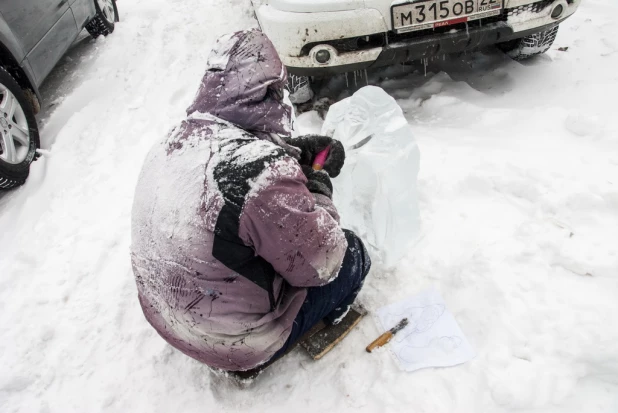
<point>429,14</point>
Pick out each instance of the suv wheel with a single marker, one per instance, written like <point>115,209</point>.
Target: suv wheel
<point>529,46</point>
<point>19,134</point>
<point>102,24</point>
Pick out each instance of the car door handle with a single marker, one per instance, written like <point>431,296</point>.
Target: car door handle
<point>62,3</point>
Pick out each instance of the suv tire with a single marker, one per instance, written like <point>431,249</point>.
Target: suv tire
<point>531,45</point>
<point>19,133</point>
<point>103,23</point>
<point>300,89</point>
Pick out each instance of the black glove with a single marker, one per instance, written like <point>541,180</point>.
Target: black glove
<point>318,182</point>
<point>311,145</point>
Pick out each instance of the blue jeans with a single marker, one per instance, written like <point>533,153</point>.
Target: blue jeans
<point>332,300</point>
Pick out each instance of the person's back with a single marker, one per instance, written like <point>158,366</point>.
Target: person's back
<point>226,236</point>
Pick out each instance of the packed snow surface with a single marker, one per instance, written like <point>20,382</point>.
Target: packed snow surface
<point>518,194</point>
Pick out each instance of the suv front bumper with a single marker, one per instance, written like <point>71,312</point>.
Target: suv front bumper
<point>297,36</point>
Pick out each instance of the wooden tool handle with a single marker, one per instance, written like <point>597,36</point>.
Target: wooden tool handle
<point>380,341</point>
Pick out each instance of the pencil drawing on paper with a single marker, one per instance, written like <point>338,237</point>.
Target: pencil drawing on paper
<point>420,319</point>
<point>432,337</point>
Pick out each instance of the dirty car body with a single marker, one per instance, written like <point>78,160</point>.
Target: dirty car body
<point>35,34</point>
<point>334,36</point>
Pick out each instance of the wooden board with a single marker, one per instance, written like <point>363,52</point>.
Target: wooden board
<point>323,341</point>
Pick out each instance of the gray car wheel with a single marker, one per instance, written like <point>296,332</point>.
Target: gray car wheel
<point>103,23</point>
<point>19,134</point>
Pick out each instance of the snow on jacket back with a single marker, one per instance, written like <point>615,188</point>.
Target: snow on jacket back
<point>225,236</point>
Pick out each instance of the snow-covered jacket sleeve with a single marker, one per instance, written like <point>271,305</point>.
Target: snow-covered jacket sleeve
<point>325,202</point>
<point>285,225</point>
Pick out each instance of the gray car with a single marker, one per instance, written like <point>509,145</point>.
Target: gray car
<point>34,35</point>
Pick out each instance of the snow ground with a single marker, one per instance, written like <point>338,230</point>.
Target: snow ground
<point>519,205</point>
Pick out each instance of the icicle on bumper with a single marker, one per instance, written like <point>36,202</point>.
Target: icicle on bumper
<point>376,192</point>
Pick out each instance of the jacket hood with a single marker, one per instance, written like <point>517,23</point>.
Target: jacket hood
<point>243,83</point>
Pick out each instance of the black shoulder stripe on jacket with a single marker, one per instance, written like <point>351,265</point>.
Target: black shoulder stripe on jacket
<point>233,179</point>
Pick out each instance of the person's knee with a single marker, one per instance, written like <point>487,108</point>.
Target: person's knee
<point>360,253</point>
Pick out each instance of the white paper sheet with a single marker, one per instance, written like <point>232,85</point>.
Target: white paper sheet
<point>431,339</point>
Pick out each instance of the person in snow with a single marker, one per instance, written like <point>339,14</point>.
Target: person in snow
<point>236,248</point>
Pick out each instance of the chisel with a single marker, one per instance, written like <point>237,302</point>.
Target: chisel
<point>386,337</point>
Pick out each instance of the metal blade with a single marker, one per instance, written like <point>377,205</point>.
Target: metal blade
<point>362,142</point>
<point>400,326</point>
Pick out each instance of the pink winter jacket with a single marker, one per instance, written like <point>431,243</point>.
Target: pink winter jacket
<point>225,235</point>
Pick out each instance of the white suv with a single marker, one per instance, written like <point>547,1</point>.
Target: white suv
<point>322,37</point>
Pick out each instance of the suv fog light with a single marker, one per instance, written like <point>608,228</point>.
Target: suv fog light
<point>322,56</point>
<point>557,11</point>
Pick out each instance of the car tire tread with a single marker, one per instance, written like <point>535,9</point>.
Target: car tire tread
<point>530,46</point>
<point>99,25</point>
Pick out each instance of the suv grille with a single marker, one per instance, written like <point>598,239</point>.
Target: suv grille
<point>533,8</point>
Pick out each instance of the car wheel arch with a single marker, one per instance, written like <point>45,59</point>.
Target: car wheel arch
<point>10,64</point>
